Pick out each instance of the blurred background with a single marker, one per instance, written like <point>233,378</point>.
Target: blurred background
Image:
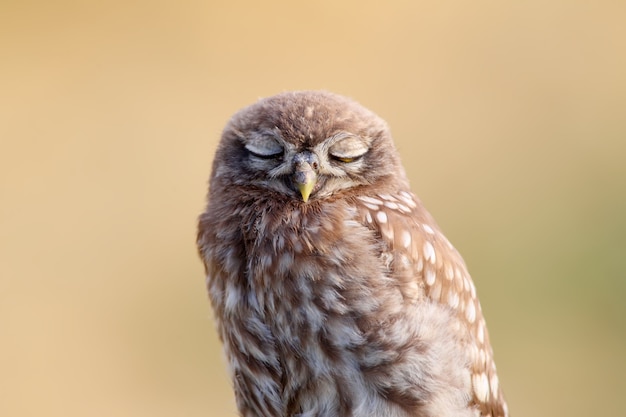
<point>510,116</point>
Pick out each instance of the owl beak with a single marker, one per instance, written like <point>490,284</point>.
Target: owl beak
<point>305,178</point>
<point>305,175</point>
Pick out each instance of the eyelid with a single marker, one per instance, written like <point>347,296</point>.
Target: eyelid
<point>346,160</point>
<point>264,147</point>
<point>348,149</point>
<point>270,156</point>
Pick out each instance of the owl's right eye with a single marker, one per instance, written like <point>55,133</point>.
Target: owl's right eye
<point>264,147</point>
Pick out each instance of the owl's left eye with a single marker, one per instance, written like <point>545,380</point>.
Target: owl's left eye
<point>344,160</point>
<point>264,147</point>
<point>349,149</point>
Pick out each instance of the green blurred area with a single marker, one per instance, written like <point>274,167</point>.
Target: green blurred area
<point>510,117</point>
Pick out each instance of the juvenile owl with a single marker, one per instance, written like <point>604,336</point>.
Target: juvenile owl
<point>334,290</point>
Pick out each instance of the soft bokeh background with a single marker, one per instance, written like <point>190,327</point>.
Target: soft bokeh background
<point>510,116</point>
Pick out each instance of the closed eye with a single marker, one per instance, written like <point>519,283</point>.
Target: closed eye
<point>346,160</point>
<point>348,149</point>
<point>264,147</point>
<point>266,156</point>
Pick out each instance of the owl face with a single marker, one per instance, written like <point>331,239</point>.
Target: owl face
<point>306,147</point>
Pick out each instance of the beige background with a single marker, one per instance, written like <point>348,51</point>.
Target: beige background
<point>510,116</point>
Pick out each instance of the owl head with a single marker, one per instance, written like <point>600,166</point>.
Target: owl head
<point>305,146</point>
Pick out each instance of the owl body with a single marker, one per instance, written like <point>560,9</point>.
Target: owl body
<point>335,292</point>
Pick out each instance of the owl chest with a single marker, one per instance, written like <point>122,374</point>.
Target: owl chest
<point>301,307</point>
<point>314,327</point>
<point>303,299</point>
<point>311,289</point>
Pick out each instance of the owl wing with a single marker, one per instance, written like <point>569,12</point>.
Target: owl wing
<point>427,265</point>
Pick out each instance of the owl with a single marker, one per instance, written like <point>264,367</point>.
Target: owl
<point>335,292</point>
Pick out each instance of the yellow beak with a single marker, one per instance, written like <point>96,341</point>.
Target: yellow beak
<point>305,179</point>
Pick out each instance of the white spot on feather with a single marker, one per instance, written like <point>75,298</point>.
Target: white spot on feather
<point>429,252</point>
<point>482,357</point>
<point>481,386</point>
<point>406,238</point>
<point>371,206</point>
<point>428,229</point>
<point>480,333</point>
<point>391,205</point>
<point>370,200</point>
<point>381,216</point>
<point>430,276</point>
<point>470,312</point>
<point>407,199</point>
<point>494,385</point>
<point>403,208</point>
<point>472,288</point>
<point>387,197</point>
<point>474,353</point>
<point>453,299</point>
<point>368,217</point>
